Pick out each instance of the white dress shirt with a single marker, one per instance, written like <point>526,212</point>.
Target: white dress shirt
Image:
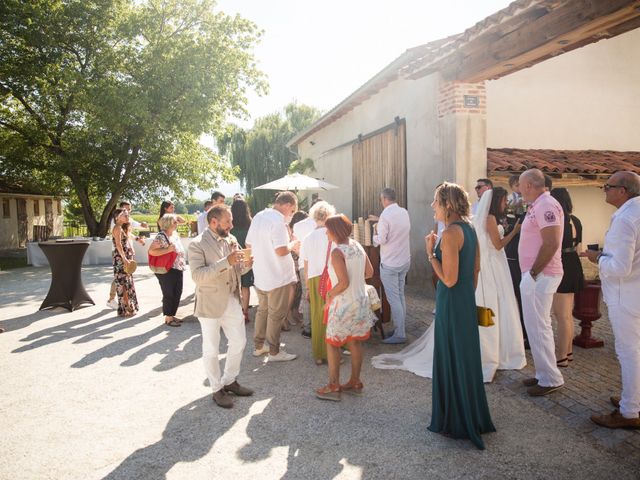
<point>620,260</point>
<point>392,235</point>
<point>301,230</point>
<point>266,233</point>
<point>202,222</point>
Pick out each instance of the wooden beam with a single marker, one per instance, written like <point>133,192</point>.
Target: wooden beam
<point>573,22</point>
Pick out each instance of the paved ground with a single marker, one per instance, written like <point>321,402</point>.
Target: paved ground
<point>87,395</point>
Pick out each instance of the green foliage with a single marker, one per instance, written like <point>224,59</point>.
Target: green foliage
<point>108,98</point>
<point>261,152</point>
<point>302,166</point>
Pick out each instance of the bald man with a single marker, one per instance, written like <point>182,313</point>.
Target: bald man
<point>541,266</point>
<point>619,265</point>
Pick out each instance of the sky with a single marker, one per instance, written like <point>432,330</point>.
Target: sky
<point>318,53</point>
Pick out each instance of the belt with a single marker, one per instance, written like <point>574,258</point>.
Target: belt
<point>569,250</point>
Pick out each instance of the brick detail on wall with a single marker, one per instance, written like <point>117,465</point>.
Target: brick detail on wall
<point>451,98</point>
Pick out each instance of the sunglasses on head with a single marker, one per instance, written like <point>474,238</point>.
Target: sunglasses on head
<point>606,187</point>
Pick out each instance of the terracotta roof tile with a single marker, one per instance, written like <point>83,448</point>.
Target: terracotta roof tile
<point>585,162</point>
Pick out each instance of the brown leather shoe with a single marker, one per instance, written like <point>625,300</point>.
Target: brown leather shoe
<point>615,401</point>
<point>238,390</point>
<point>222,399</point>
<point>538,391</point>
<point>530,382</point>
<point>616,420</point>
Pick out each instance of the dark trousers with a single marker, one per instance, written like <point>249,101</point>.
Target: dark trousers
<point>171,285</point>
<point>516,276</point>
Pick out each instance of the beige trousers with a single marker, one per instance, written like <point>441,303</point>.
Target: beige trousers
<point>273,307</point>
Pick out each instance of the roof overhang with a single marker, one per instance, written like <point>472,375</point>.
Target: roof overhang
<point>525,33</point>
<point>572,166</point>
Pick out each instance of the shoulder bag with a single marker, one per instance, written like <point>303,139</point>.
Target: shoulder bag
<point>325,280</point>
<point>161,264</point>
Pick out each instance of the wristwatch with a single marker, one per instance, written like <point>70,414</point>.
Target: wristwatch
<point>598,257</point>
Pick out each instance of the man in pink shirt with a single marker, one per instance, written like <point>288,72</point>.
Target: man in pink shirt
<point>541,266</point>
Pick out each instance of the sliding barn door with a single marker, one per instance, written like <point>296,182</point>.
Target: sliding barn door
<point>379,161</point>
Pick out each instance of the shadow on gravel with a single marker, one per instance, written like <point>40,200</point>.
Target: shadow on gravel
<point>189,435</point>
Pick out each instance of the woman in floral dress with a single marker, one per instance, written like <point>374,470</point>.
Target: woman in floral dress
<point>349,315</point>
<point>123,254</point>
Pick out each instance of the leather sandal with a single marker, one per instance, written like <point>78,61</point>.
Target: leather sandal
<point>329,392</point>
<point>172,323</point>
<point>563,363</point>
<point>352,388</point>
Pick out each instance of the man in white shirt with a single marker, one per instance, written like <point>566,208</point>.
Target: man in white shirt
<point>274,273</point>
<point>202,218</point>
<point>619,264</point>
<point>482,185</point>
<point>301,230</point>
<point>392,234</point>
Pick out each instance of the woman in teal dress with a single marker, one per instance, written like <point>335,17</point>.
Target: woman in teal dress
<point>459,402</point>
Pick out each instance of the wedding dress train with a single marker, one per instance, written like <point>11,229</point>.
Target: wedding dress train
<point>502,345</point>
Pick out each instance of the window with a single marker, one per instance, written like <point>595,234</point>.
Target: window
<point>6,208</point>
<point>36,207</point>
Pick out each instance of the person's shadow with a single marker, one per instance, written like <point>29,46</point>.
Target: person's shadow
<point>190,434</point>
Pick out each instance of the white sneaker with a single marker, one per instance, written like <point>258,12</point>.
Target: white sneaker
<point>259,352</point>
<point>282,356</point>
<point>113,303</point>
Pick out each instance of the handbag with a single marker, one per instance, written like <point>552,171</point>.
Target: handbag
<point>485,314</point>
<point>130,267</point>
<point>374,298</point>
<point>325,281</point>
<point>161,264</point>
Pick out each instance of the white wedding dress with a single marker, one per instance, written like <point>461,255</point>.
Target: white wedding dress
<point>502,345</point>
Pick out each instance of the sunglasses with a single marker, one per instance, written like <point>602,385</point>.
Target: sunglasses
<point>478,187</point>
<point>606,187</point>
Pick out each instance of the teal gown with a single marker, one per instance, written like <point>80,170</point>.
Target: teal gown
<point>459,402</point>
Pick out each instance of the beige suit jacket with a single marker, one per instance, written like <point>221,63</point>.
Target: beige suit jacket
<point>216,281</point>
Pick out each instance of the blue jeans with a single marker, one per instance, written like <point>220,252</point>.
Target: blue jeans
<point>393,280</point>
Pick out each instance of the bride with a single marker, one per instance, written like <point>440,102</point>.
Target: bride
<point>502,345</point>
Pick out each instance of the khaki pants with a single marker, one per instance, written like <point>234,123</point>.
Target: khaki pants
<point>273,307</point>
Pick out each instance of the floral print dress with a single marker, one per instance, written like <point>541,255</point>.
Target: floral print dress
<point>127,299</point>
<point>349,315</point>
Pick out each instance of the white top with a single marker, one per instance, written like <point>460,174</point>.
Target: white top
<point>314,251</point>
<point>267,232</point>
<point>301,230</point>
<point>355,261</point>
<point>394,227</point>
<point>202,222</point>
<point>620,260</point>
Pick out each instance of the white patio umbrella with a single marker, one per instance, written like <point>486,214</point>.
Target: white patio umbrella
<point>296,182</point>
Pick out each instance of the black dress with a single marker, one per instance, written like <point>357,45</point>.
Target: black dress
<point>573,277</point>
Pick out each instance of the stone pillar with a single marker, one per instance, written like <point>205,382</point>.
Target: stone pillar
<point>462,116</point>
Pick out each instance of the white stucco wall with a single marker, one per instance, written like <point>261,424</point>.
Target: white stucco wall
<point>413,101</point>
<point>588,98</point>
<point>585,99</point>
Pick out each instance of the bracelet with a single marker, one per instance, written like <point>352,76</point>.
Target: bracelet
<point>430,257</point>
<point>598,257</point>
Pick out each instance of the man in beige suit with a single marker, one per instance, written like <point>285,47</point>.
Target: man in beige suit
<point>216,265</point>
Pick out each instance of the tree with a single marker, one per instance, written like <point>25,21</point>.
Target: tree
<point>109,98</point>
<point>261,152</point>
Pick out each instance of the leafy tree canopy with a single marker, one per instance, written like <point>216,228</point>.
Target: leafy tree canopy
<point>109,98</point>
<point>261,152</point>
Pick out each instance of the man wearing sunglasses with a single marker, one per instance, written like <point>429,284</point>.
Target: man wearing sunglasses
<point>619,265</point>
<point>482,185</point>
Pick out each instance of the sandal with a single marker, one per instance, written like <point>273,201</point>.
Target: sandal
<point>329,392</point>
<point>172,323</point>
<point>352,388</point>
<point>570,356</point>
<point>563,363</point>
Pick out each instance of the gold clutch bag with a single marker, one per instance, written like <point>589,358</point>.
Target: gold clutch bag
<point>131,267</point>
<point>485,316</point>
